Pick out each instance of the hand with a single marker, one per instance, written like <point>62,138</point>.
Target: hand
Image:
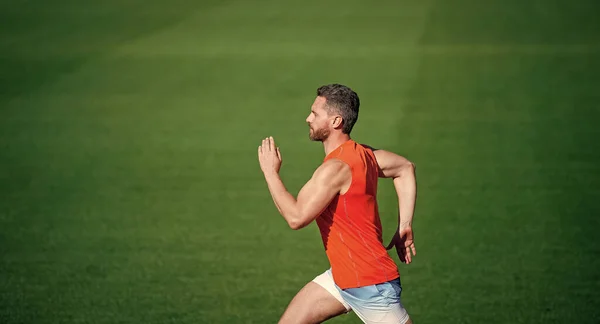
<point>269,156</point>
<point>404,243</point>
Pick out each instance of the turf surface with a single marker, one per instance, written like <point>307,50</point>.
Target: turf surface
<point>130,190</point>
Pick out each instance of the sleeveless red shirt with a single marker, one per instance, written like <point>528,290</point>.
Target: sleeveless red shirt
<point>350,226</point>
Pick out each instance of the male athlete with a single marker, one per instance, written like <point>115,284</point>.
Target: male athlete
<point>341,197</point>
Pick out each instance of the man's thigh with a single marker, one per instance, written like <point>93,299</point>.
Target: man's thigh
<point>314,303</point>
<point>378,303</point>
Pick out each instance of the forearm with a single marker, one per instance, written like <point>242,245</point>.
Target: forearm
<point>406,188</point>
<point>284,201</point>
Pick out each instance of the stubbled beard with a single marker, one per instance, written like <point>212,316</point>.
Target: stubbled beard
<point>318,135</point>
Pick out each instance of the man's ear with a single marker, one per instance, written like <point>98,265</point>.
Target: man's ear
<point>337,122</point>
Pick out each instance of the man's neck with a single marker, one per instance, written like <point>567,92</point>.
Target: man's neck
<point>334,141</point>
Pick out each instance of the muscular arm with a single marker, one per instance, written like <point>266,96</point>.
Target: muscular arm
<point>402,171</point>
<point>317,193</point>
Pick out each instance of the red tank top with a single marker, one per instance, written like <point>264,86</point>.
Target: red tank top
<point>350,226</point>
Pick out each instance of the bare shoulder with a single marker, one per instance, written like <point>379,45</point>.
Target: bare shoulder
<point>333,170</point>
<point>391,164</point>
<point>383,154</point>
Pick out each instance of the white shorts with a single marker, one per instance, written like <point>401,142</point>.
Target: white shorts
<point>378,303</point>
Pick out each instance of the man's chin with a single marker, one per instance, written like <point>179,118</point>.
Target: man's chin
<point>315,139</point>
<point>317,136</point>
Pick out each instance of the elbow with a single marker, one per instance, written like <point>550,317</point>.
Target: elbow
<point>296,224</point>
<point>299,219</point>
<point>408,168</point>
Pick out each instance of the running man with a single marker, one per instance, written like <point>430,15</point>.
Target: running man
<point>341,197</point>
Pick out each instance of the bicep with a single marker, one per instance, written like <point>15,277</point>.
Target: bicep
<point>314,198</point>
<point>318,192</point>
<point>391,165</point>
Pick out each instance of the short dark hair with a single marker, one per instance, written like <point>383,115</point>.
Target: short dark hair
<point>342,100</point>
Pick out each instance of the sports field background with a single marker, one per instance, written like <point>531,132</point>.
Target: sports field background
<point>130,190</point>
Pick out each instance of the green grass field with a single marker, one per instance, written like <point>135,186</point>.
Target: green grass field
<point>130,188</point>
